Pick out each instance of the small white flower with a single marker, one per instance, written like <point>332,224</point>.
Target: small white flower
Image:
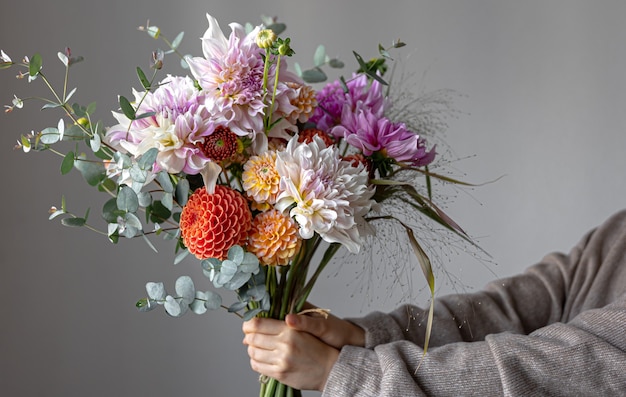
<point>17,102</point>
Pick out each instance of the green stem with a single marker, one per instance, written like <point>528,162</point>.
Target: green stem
<point>274,89</point>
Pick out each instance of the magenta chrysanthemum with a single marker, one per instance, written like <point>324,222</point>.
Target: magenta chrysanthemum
<point>372,134</point>
<point>361,95</point>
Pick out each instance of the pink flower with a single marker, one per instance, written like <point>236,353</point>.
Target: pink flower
<point>372,134</point>
<point>361,95</point>
<point>231,76</point>
<point>180,121</point>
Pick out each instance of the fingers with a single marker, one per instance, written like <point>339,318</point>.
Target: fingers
<point>266,326</point>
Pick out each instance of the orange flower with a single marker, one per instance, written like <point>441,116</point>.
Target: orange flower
<point>260,180</point>
<point>307,135</point>
<point>212,223</point>
<point>274,238</point>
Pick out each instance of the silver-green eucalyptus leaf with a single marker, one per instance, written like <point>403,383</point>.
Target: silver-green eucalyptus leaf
<point>168,201</point>
<point>213,300</point>
<point>236,254</point>
<point>319,58</point>
<point>182,191</point>
<point>95,143</point>
<point>49,136</point>
<point>145,199</point>
<point>156,291</point>
<point>185,289</point>
<point>166,183</point>
<point>173,307</point>
<point>127,199</point>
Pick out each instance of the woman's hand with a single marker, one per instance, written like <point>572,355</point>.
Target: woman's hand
<point>331,330</point>
<point>297,359</point>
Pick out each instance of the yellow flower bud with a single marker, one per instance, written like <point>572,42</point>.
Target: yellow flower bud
<point>83,121</point>
<point>265,38</point>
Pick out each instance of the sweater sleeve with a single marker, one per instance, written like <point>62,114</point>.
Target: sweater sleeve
<point>518,305</point>
<point>557,329</point>
<point>585,357</point>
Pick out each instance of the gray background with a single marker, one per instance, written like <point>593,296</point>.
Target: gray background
<point>543,92</point>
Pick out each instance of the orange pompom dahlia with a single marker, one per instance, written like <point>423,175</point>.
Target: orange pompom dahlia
<point>212,223</point>
<point>274,238</point>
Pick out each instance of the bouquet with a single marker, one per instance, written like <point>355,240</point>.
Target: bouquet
<point>243,164</point>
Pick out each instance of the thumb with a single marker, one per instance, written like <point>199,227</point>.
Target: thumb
<point>310,324</point>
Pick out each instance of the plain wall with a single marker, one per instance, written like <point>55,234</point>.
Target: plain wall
<point>542,91</point>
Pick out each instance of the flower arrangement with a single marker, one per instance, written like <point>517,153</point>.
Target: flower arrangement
<point>246,166</point>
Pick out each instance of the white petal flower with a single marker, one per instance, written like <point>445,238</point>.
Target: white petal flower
<point>331,196</point>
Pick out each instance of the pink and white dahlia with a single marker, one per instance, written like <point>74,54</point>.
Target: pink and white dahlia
<point>331,196</point>
<point>373,134</point>
<point>180,121</point>
<point>231,76</point>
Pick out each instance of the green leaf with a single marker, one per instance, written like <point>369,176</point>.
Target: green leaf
<point>51,106</point>
<point>91,108</point>
<point>68,163</point>
<point>34,66</point>
<point>383,52</point>
<point>153,31</point>
<point>335,63</point>
<point>159,212</point>
<point>110,212</point>
<point>315,75</point>
<point>146,161</point>
<point>319,58</point>
<point>182,192</point>
<point>93,172</point>
<point>127,199</point>
<point>277,28</point>
<point>165,182</point>
<point>128,109</point>
<point>142,78</point>
<point>176,42</point>
<point>145,305</point>
<point>73,222</point>
<point>49,136</point>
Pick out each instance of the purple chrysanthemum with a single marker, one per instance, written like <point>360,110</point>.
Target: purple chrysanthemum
<point>373,134</point>
<point>361,95</point>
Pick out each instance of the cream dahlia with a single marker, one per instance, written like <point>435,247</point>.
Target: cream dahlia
<point>331,196</point>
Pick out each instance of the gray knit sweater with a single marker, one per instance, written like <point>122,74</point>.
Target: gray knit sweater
<point>558,329</point>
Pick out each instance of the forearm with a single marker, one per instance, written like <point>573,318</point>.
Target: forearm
<point>584,357</point>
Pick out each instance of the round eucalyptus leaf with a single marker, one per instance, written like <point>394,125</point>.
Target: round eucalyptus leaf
<point>213,300</point>
<point>172,307</point>
<point>251,314</point>
<point>235,307</point>
<point>237,281</point>
<point>228,268</point>
<point>156,291</point>
<point>197,306</point>
<point>49,136</point>
<point>127,199</point>
<point>236,254</point>
<point>185,289</point>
